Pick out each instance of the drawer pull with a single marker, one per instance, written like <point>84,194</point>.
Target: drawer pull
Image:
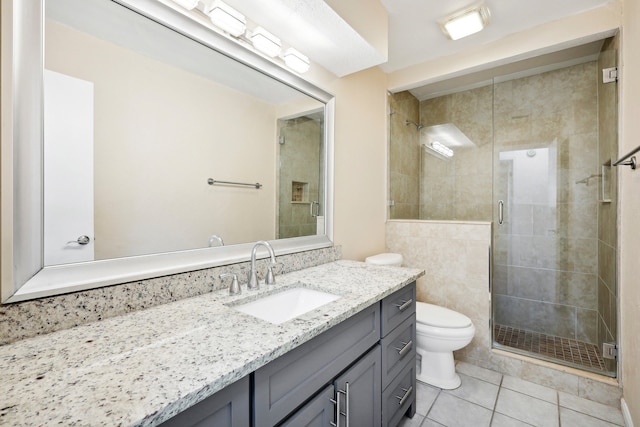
<point>406,347</point>
<point>404,305</point>
<point>407,393</point>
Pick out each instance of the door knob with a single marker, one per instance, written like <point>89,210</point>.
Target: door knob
<point>82,240</point>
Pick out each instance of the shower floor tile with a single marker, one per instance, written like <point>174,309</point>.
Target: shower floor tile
<point>563,349</point>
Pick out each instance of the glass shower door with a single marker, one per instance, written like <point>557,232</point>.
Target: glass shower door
<point>549,180</point>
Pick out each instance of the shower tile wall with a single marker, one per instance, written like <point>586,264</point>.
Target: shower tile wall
<point>404,156</point>
<point>299,157</point>
<point>607,236</point>
<point>459,188</point>
<point>546,252</point>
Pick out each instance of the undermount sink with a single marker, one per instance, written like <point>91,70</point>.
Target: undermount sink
<point>285,305</point>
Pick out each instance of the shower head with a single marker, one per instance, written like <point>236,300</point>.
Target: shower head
<point>417,125</point>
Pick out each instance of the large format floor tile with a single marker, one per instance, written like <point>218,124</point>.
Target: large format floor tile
<point>487,398</point>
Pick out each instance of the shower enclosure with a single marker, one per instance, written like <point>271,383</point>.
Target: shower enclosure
<point>535,160</point>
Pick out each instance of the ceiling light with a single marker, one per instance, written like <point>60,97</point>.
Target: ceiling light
<point>266,42</point>
<point>466,21</point>
<point>227,18</point>
<point>296,61</point>
<point>187,4</point>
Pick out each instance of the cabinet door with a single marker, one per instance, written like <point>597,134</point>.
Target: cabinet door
<point>359,391</point>
<point>227,408</point>
<point>319,412</point>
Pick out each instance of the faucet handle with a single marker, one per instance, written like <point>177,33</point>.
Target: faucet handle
<point>270,278</point>
<point>234,287</point>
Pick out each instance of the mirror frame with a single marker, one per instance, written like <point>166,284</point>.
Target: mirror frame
<point>22,269</point>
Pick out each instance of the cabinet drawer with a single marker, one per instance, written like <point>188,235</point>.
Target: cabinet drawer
<point>398,348</point>
<point>398,307</point>
<point>287,382</point>
<point>399,396</point>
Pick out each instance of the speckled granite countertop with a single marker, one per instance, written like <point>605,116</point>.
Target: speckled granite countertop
<point>144,367</point>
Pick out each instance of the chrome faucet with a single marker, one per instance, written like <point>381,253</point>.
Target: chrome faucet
<point>215,238</point>
<point>253,275</point>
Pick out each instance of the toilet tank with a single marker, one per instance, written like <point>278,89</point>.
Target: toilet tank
<point>388,259</point>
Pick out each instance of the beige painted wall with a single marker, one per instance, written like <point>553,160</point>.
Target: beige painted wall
<point>629,286</point>
<point>156,146</point>
<point>360,160</point>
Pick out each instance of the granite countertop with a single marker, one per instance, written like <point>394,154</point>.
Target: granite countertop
<point>144,367</point>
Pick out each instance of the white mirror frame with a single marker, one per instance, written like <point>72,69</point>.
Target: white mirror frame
<point>22,270</point>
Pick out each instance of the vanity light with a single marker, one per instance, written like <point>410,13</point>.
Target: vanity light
<point>266,42</point>
<point>296,61</point>
<point>466,21</point>
<point>187,4</point>
<point>227,18</point>
<point>442,149</point>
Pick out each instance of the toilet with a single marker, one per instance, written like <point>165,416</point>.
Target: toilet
<point>439,332</point>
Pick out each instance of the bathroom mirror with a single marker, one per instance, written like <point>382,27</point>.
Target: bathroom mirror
<point>133,127</point>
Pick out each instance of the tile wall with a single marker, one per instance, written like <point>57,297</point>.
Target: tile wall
<point>607,211</point>
<point>404,157</point>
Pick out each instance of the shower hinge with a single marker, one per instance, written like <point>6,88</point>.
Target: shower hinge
<point>610,75</point>
<point>609,350</point>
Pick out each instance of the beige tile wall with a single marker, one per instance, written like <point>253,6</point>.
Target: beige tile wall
<point>404,161</point>
<point>459,188</point>
<point>607,212</point>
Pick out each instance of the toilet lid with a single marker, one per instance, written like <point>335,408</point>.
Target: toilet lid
<point>441,317</point>
<point>385,259</point>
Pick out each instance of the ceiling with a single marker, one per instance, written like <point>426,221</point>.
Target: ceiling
<point>415,36</point>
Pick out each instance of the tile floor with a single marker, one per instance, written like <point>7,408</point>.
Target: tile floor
<point>488,398</point>
<point>574,352</point>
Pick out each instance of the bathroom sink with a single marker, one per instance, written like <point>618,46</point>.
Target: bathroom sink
<point>285,305</point>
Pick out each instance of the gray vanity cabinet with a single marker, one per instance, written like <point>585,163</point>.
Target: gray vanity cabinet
<point>227,408</point>
<point>286,383</point>
<point>398,355</point>
<point>355,395</point>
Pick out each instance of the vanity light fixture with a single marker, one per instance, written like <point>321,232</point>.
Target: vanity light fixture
<point>187,4</point>
<point>296,61</point>
<point>227,18</point>
<point>266,42</point>
<point>465,22</point>
<point>442,149</point>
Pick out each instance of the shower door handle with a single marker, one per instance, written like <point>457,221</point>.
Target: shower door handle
<point>500,212</point>
<point>315,212</point>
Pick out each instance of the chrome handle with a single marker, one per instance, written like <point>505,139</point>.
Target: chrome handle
<point>407,393</point>
<point>407,346</point>
<point>234,288</point>
<point>404,305</point>
<point>317,211</point>
<point>500,211</point>
<point>337,403</point>
<point>82,240</point>
<point>346,398</point>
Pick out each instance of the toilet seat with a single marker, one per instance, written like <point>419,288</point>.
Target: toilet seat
<point>440,317</point>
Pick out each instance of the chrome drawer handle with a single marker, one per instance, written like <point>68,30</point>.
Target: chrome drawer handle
<point>404,305</point>
<point>406,347</point>
<point>407,393</point>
